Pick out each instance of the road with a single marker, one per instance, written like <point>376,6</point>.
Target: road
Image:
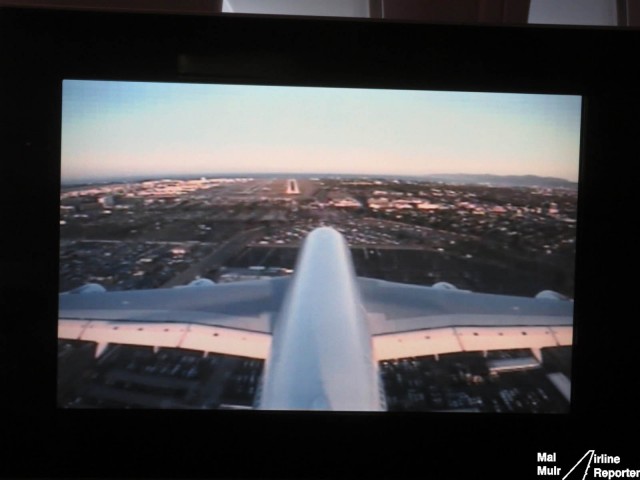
<point>217,258</point>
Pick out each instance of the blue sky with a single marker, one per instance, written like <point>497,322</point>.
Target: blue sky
<point>112,129</point>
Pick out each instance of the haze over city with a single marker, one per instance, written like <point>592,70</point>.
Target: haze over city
<point>123,129</point>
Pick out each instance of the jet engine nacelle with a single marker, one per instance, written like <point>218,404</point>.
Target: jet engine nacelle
<point>89,288</point>
<point>201,282</point>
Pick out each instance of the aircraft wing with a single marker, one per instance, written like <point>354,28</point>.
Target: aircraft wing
<point>321,332</point>
<point>410,320</point>
<point>232,319</point>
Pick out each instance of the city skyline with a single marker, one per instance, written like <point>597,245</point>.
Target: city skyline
<point>127,129</point>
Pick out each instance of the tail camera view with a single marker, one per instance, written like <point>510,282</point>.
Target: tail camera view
<point>289,248</point>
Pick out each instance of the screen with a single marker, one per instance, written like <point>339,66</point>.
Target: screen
<point>198,259</point>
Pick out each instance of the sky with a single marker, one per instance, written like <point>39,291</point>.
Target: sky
<point>123,129</point>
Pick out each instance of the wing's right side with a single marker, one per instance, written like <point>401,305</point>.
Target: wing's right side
<point>461,320</point>
<point>427,339</point>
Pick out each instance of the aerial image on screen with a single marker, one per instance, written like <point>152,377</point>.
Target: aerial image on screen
<point>307,248</point>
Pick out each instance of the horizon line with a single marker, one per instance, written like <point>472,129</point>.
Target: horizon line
<point>181,176</point>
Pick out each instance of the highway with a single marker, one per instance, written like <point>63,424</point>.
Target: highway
<point>217,258</point>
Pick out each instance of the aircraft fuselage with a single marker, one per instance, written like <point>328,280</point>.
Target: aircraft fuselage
<point>322,356</point>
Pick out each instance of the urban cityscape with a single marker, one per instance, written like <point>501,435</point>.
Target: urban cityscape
<point>512,236</point>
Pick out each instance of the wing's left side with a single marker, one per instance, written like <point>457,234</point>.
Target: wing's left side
<point>166,348</point>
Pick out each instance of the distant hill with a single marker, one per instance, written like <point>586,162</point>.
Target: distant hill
<point>504,180</point>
